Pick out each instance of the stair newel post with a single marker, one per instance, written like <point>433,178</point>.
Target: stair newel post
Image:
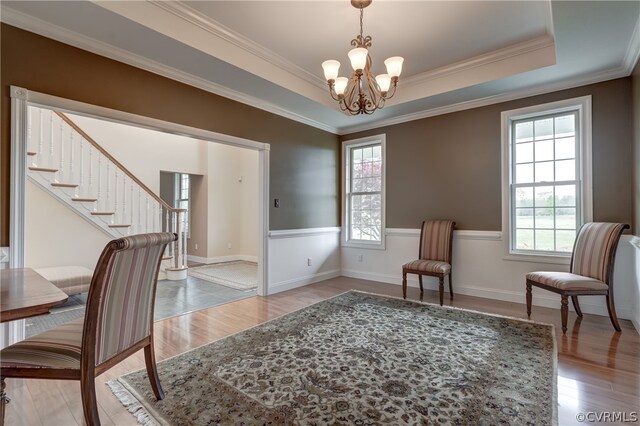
<point>146,216</point>
<point>178,243</point>
<point>115,196</point>
<point>80,167</point>
<point>131,228</point>
<point>99,184</point>
<point>107,202</point>
<point>71,160</point>
<point>90,186</point>
<point>61,168</point>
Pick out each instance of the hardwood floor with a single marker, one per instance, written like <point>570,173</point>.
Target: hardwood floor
<point>598,369</point>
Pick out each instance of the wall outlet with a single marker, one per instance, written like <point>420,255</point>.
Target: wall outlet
<point>276,203</point>
<point>308,261</point>
<point>229,246</point>
<point>195,247</point>
<point>359,258</point>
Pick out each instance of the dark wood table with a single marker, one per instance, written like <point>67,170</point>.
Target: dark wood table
<point>24,293</point>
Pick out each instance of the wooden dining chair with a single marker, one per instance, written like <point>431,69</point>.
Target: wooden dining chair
<point>434,256</point>
<point>590,271</point>
<point>118,322</point>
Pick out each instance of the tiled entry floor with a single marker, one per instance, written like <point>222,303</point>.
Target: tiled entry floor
<point>179,297</point>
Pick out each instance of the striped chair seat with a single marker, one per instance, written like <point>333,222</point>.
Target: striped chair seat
<point>423,265</point>
<point>567,281</point>
<point>58,348</point>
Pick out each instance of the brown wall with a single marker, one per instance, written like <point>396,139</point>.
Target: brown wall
<point>635,79</point>
<point>449,166</point>
<point>304,160</point>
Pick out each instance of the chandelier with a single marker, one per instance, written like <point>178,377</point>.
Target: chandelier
<point>362,93</point>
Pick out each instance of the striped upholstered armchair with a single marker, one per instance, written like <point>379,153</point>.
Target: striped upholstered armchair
<point>118,322</point>
<point>434,256</point>
<point>590,270</point>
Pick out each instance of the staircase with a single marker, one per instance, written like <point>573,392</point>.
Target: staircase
<point>71,166</point>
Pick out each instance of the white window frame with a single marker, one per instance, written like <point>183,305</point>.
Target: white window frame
<point>585,184</point>
<point>177,197</point>
<point>346,209</point>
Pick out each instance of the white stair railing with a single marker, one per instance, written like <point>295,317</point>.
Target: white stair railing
<point>110,195</point>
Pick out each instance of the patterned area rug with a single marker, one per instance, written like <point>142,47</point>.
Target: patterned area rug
<point>362,359</point>
<point>241,275</point>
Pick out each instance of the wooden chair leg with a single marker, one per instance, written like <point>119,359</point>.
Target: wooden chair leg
<point>441,290</point>
<point>404,285</point>
<point>564,312</point>
<point>450,286</point>
<point>420,281</point>
<point>612,312</point>
<point>529,296</point>
<point>576,305</point>
<point>152,371</point>
<point>89,402</point>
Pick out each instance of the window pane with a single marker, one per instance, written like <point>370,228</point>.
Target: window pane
<point>565,125</point>
<point>377,152</point>
<point>524,132</point>
<point>357,155</point>
<point>565,148</point>
<point>566,195</point>
<point>524,153</point>
<point>544,150</point>
<point>544,218</point>
<point>566,218</point>
<point>544,240</point>
<point>524,239</point>
<point>524,218</point>
<point>524,197</point>
<point>544,196</point>
<point>544,171</point>
<point>357,185</point>
<point>376,168</point>
<point>524,173</point>
<point>564,240</point>
<point>356,171</point>
<point>543,128</point>
<point>367,153</point>
<point>565,170</point>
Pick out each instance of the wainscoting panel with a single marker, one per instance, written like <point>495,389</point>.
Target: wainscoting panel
<point>289,254</point>
<point>479,269</point>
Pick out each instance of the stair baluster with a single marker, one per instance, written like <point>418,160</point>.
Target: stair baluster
<point>71,160</point>
<point>51,143</point>
<point>115,197</point>
<point>61,169</point>
<point>90,186</point>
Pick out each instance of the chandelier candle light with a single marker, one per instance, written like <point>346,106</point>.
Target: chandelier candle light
<point>362,93</point>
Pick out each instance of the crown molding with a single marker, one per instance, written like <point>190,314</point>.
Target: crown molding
<point>633,50</point>
<point>490,100</point>
<point>217,29</point>
<point>499,55</point>
<point>72,38</point>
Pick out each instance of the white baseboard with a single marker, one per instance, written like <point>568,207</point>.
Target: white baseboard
<point>503,295</point>
<point>302,281</point>
<point>221,259</point>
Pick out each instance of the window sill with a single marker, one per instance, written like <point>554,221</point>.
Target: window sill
<point>365,246</point>
<point>538,258</point>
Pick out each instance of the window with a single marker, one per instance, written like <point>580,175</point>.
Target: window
<point>547,163</point>
<point>364,172</point>
<point>182,196</point>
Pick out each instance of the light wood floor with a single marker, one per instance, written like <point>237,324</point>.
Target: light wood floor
<point>598,370</point>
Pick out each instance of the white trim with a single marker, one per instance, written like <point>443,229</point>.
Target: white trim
<point>4,256</point>
<point>583,106</point>
<point>344,239</point>
<point>18,175</point>
<point>540,299</point>
<point>633,50</point>
<point>72,38</point>
<point>222,259</point>
<point>18,172</point>
<point>462,234</point>
<point>492,100</point>
<point>302,281</point>
<point>200,20</point>
<point>292,233</point>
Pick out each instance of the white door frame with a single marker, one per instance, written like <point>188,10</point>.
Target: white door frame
<point>21,98</point>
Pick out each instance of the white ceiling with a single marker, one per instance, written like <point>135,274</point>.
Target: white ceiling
<point>458,54</point>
